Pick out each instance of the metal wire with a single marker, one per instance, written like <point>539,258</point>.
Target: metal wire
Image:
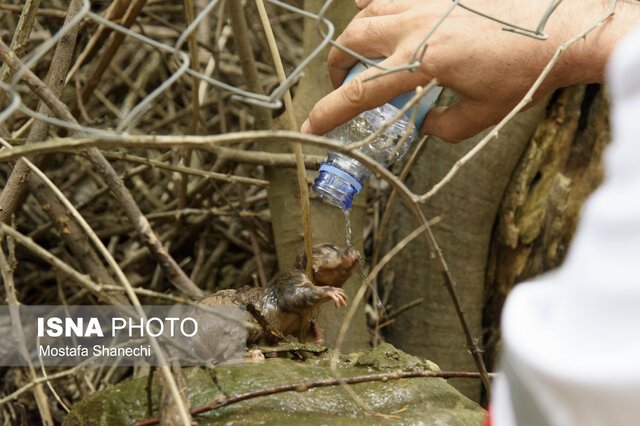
<point>15,102</point>
<point>131,117</point>
<point>272,100</point>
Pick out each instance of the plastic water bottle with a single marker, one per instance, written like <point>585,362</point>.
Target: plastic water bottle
<point>340,177</point>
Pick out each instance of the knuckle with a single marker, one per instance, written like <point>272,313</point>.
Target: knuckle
<point>373,8</point>
<point>374,29</point>
<point>333,58</point>
<point>349,33</point>
<point>354,91</point>
<point>383,7</point>
<point>429,65</point>
<point>315,116</point>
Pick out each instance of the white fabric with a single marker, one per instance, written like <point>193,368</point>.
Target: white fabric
<point>571,339</point>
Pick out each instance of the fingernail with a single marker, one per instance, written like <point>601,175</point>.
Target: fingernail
<point>306,127</point>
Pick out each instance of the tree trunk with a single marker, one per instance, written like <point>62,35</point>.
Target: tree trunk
<point>540,210</point>
<point>508,215</point>
<point>284,199</point>
<point>467,206</point>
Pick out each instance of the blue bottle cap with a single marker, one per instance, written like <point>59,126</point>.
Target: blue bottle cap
<point>424,105</point>
<point>336,186</point>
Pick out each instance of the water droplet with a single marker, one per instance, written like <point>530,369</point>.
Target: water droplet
<point>347,221</point>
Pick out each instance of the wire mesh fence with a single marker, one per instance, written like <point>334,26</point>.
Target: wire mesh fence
<point>144,81</point>
<point>129,115</point>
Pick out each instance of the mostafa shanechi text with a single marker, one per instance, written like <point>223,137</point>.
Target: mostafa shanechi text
<point>96,351</point>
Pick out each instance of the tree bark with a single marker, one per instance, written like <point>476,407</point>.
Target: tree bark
<point>540,210</point>
<point>468,206</point>
<point>284,200</point>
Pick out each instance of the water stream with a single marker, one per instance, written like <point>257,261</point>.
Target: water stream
<point>377,300</point>
<point>379,306</point>
<point>347,221</point>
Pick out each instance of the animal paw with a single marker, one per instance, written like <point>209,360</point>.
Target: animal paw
<point>338,296</point>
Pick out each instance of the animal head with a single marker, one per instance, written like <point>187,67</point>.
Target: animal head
<point>331,265</point>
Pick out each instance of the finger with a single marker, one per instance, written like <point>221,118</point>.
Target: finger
<point>370,37</point>
<point>336,301</point>
<point>361,4</point>
<point>338,298</point>
<point>333,297</point>
<point>382,7</point>
<point>356,96</point>
<point>460,121</point>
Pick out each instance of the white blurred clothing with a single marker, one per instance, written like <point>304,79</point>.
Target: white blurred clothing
<point>571,338</point>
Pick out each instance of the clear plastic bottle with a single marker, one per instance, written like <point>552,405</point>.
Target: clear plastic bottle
<point>340,177</point>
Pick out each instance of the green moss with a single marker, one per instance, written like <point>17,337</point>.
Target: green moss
<point>425,400</point>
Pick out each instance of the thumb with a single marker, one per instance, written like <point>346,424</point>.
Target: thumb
<point>460,121</point>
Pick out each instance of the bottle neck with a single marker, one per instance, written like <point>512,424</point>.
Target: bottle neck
<point>336,186</point>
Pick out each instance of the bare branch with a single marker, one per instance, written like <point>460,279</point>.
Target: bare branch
<point>297,148</point>
<point>304,386</point>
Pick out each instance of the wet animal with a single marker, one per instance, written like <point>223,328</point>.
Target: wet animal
<point>290,302</point>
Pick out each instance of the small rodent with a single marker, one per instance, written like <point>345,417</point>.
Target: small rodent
<point>290,302</point>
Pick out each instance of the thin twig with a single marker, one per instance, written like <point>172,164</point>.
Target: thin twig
<point>13,395</point>
<point>254,241</point>
<point>12,300</point>
<point>398,247</point>
<point>105,57</point>
<point>340,341</point>
<point>420,92</point>
<point>304,386</point>
<point>404,307</point>
<point>264,120</point>
<point>67,270</point>
<point>386,216</point>
<point>528,97</point>
<point>117,186</point>
<point>172,270</point>
<point>115,11</point>
<point>186,170</point>
<point>20,38</point>
<point>50,13</point>
<point>189,11</point>
<point>297,148</point>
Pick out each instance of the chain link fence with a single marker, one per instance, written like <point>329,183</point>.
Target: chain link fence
<point>128,116</point>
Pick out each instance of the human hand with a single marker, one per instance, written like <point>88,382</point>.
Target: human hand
<point>491,69</point>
